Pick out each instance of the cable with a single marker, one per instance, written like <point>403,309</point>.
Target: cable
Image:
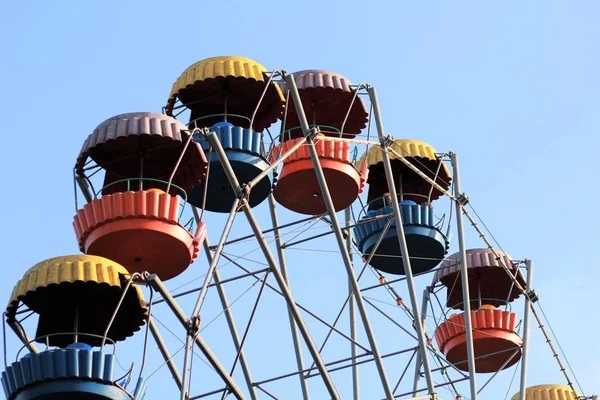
<point>560,347</point>
<point>512,379</point>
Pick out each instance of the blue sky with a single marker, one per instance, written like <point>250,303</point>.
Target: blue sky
<point>512,87</point>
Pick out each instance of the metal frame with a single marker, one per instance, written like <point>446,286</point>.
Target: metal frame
<point>402,242</point>
<point>216,145</point>
<point>284,273</point>
<point>355,301</point>
<point>291,84</point>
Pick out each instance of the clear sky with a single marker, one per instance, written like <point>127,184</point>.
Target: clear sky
<point>512,87</point>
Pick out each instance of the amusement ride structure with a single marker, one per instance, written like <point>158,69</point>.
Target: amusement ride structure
<point>236,142</point>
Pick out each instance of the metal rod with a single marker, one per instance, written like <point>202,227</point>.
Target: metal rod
<point>193,320</point>
<point>352,307</point>
<point>483,356</point>
<point>250,319</point>
<point>284,273</point>
<point>215,283</point>
<point>366,264</point>
<point>76,325</point>
<point>114,315</point>
<point>399,279</point>
<point>162,347</point>
<point>157,285</point>
<point>308,239</point>
<point>432,397</point>
<point>185,147</point>
<point>509,359</point>
<point>214,141</point>
<point>232,241</point>
<point>414,353</point>
<point>395,353</point>
<point>300,306</point>
<point>275,163</point>
<point>262,95</point>
<point>393,321</point>
<point>216,391</point>
<point>464,277</point>
<point>267,393</point>
<point>216,257</point>
<point>350,109</point>
<point>402,242</point>
<point>291,84</point>
<point>20,332</point>
<point>141,186</point>
<point>526,331</point>
<point>344,229</point>
<point>230,320</point>
<point>419,360</point>
<point>84,187</point>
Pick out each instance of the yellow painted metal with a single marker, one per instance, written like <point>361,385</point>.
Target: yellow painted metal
<point>548,392</point>
<point>66,270</point>
<point>219,67</point>
<point>404,147</point>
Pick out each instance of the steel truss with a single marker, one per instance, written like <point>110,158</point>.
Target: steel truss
<point>361,338</point>
<point>361,353</point>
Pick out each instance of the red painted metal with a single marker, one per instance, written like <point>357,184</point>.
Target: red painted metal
<point>297,187</point>
<point>139,230</point>
<point>494,340</point>
<point>326,97</point>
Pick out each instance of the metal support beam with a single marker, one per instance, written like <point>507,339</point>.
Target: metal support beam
<point>194,321</point>
<point>157,285</point>
<point>300,221</point>
<point>526,330</point>
<point>360,359</point>
<point>419,361</point>
<point>276,163</point>
<point>293,327</point>
<point>20,332</point>
<point>230,321</point>
<point>402,241</point>
<point>352,310</point>
<point>85,188</point>
<point>215,258</point>
<point>300,306</point>
<point>335,225</point>
<point>162,347</point>
<point>464,277</point>
<point>216,145</point>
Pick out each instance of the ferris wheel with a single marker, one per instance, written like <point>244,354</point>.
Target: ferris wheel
<point>332,276</point>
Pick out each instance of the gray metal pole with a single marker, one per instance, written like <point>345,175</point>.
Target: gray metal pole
<point>526,330</point>
<point>293,328</point>
<point>85,188</point>
<point>352,311</point>
<point>464,277</point>
<point>214,142</point>
<point>231,323</point>
<point>402,242</point>
<point>202,295</point>
<point>162,347</point>
<point>157,285</point>
<point>419,360</point>
<point>216,257</point>
<point>335,225</point>
<point>20,332</point>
